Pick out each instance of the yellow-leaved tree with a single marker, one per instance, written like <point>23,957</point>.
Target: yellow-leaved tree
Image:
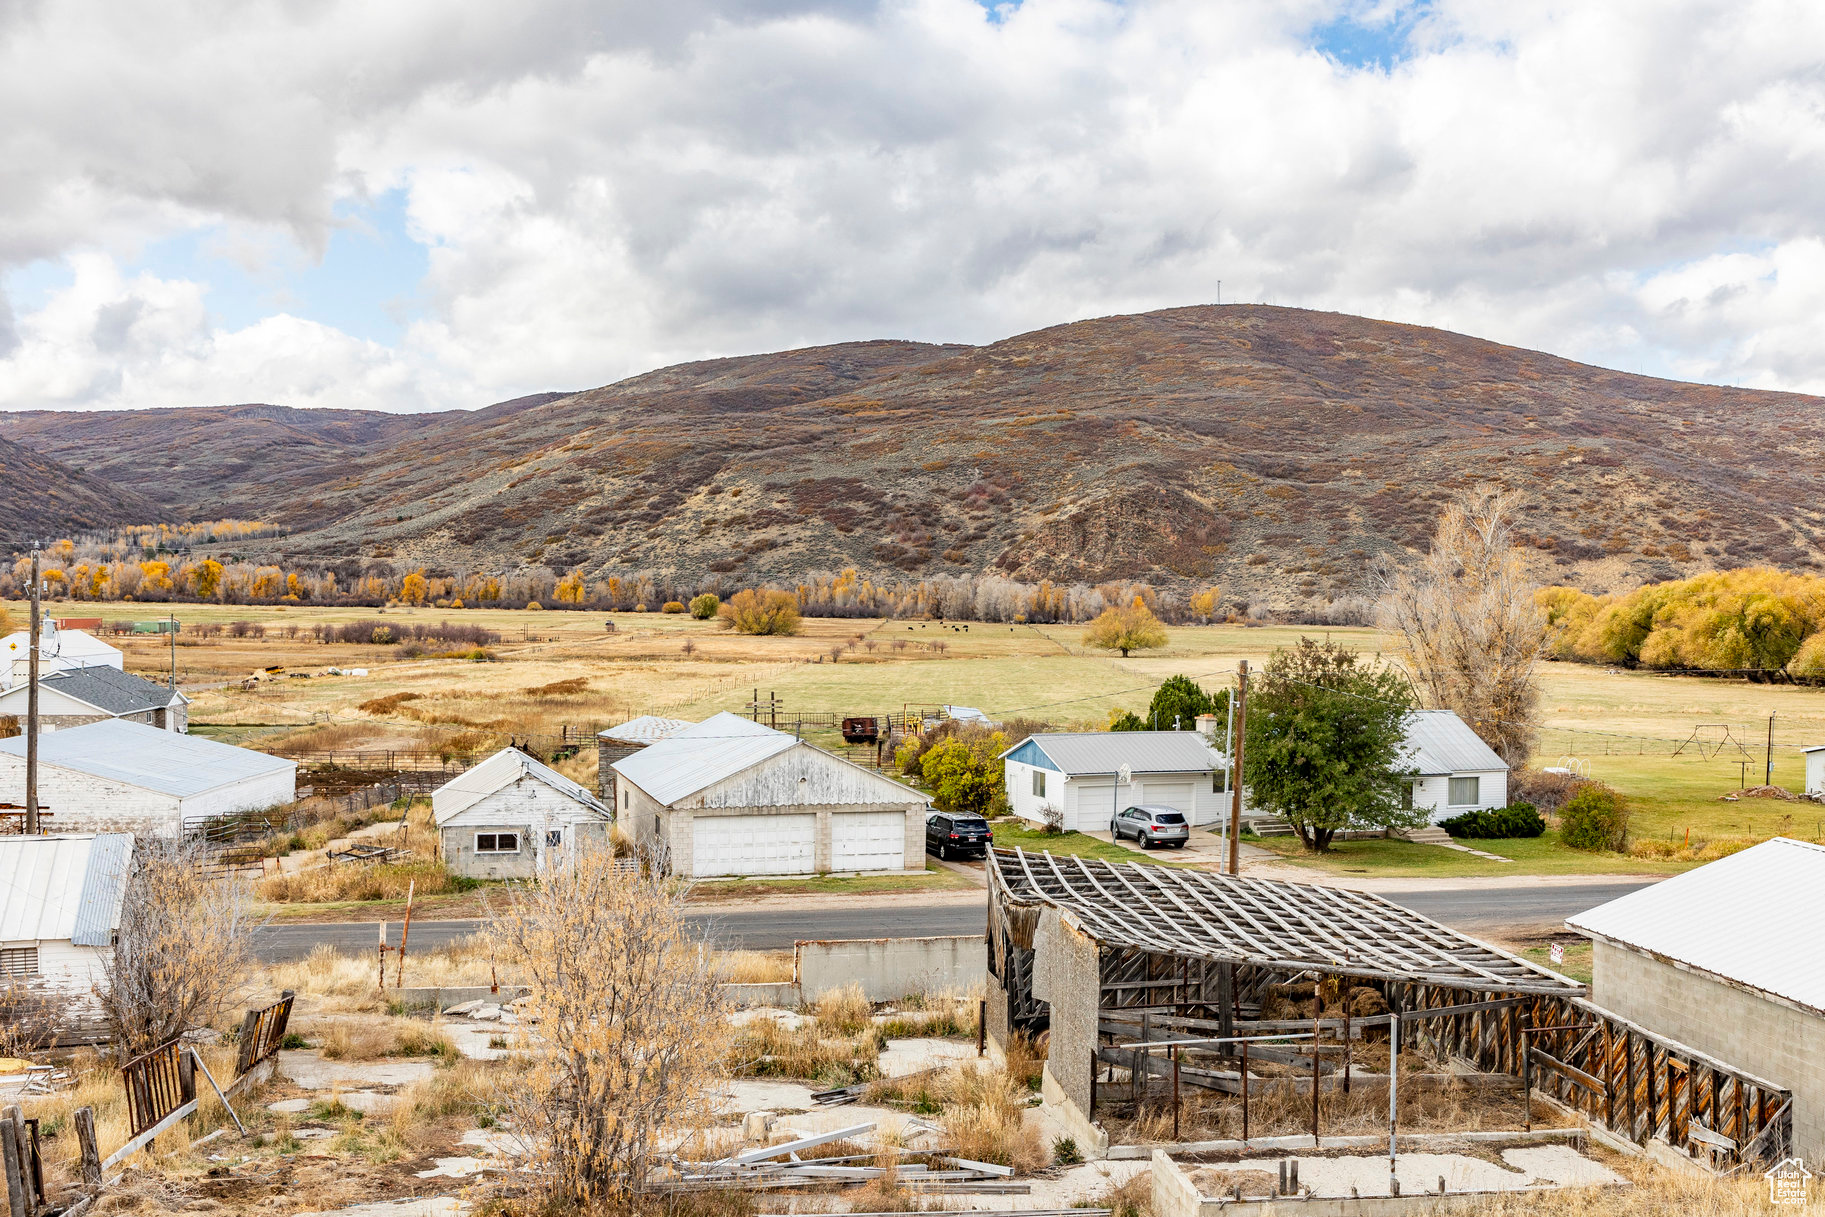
<point>414,588</point>
<point>628,1009</point>
<point>1133,628</point>
<point>761,611</point>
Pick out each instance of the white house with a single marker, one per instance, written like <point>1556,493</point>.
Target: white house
<point>60,900</point>
<point>511,817</point>
<point>58,651</point>
<point>76,696</point>
<point>1080,774</point>
<point>731,797</point>
<point>1726,958</point>
<point>1815,770</point>
<point>120,776</point>
<point>1454,770</point>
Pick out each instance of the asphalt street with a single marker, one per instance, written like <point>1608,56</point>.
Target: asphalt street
<point>1485,911</point>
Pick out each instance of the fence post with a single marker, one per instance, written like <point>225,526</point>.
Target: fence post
<point>14,1116</point>
<point>15,1178</point>
<point>84,1120</point>
<point>243,1056</point>
<point>186,1078</point>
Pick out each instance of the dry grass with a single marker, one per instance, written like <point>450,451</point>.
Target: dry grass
<point>758,967</point>
<point>985,1118</point>
<point>1133,1198</point>
<point>375,1038</point>
<point>1657,1192</point>
<point>843,1011</point>
<point>1697,849</point>
<point>353,881</point>
<point>763,1048</point>
<point>325,973</point>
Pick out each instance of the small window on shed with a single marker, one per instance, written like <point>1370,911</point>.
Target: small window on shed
<point>497,842</point>
<point>1464,792</point>
<point>1039,783</point>
<point>19,961</point>
<point>554,837</point>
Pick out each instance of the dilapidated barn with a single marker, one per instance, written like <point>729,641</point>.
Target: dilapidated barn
<point>1144,978</point>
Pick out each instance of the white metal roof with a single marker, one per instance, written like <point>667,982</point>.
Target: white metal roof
<point>701,755</point>
<point>647,729</point>
<point>966,714</point>
<point>1751,919</point>
<point>1439,742</point>
<point>66,887</point>
<point>1093,753</point>
<point>149,757</point>
<point>498,772</point>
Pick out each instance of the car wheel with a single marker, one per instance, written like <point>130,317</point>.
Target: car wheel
<point>1179,845</point>
<point>944,853</point>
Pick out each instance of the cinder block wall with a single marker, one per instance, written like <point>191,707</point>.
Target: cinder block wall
<point>1067,972</point>
<point>607,753</point>
<point>1764,1037</point>
<point>892,968</point>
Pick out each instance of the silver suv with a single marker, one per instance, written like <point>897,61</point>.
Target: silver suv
<point>1152,825</point>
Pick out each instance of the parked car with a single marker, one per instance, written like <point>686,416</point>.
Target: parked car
<point>1152,826</point>
<point>948,833</point>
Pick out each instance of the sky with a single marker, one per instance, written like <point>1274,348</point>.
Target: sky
<point>416,206</point>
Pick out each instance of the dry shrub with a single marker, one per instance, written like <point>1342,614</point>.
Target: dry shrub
<point>560,688</point>
<point>1657,1191</point>
<point>985,1118</point>
<point>757,967</point>
<point>333,737</point>
<point>387,704</point>
<point>1698,850</point>
<point>1131,1198</point>
<point>349,881</point>
<point>843,1011</point>
<point>933,1015</point>
<point>1546,791</point>
<point>372,1039</point>
<point>763,1048</point>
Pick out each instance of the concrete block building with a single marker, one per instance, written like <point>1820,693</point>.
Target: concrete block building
<point>732,797</point>
<point>1727,958</point>
<point>75,696</point>
<point>511,817</point>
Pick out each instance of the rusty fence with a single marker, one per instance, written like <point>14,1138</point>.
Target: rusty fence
<point>262,1032</point>
<point>161,1087</point>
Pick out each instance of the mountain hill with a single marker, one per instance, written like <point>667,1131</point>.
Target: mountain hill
<point>46,499</point>
<point>1274,451</point>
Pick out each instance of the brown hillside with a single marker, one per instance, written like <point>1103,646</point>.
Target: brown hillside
<point>46,499</point>
<point>1272,450</point>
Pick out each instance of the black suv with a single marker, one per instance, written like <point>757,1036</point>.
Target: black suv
<point>949,833</point>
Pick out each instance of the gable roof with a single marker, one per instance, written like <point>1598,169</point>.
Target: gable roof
<point>108,689</point>
<point>1750,919</point>
<point>63,887</point>
<point>647,729</point>
<point>1100,753</point>
<point>1439,742</point>
<point>701,755</point>
<point>71,647</point>
<point>497,773</point>
<point>149,757</point>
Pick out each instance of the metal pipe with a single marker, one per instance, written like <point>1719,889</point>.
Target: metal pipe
<point>1245,1092</point>
<point>31,705</point>
<point>1393,1095</point>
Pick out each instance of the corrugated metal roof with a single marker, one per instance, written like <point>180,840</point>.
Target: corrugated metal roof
<point>148,757</point>
<point>1102,752</point>
<point>1751,918</point>
<point>1438,741</point>
<point>107,689</point>
<point>966,714</point>
<point>498,772</point>
<point>647,729</point>
<point>53,887</point>
<point>701,755</point>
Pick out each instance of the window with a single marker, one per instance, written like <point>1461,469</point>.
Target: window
<point>627,800</point>
<point>1463,792</point>
<point>1039,783</point>
<point>554,837</point>
<point>497,842</point>
<point>19,961</point>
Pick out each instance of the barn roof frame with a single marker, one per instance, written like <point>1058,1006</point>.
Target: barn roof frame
<point>1294,927</point>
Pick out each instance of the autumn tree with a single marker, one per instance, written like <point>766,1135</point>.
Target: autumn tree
<point>704,606</point>
<point>1205,605</point>
<point>206,578</point>
<point>1469,629</point>
<point>627,1005</point>
<point>965,771</point>
<point>413,589</point>
<point>1133,628</point>
<point>571,588</point>
<point>760,611</point>
<point>1326,742</point>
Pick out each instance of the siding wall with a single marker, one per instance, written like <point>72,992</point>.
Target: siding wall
<point>81,802</point>
<point>1778,1042</point>
<point>1815,773</point>
<point>71,969</point>
<point>672,834</point>
<point>530,808</point>
<point>1434,793</point>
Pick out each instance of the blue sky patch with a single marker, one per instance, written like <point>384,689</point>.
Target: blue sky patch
<point>1370,41</point>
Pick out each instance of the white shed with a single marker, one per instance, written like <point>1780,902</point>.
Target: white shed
<point>511,817</point>
<point>731,797</point>
<point>1454,771</point>
<point>120,776</point>
<point>1815,770</point>
<point>1726,958</point>
<point>76,696</point>
<point>58,651</point>
<point>60,900</point>
<point>1080,774</point>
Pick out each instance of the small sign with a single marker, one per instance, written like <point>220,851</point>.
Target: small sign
<point>1558,952</point>
<point>1787,1182</point>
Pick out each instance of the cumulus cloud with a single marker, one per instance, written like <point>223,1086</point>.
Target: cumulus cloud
<point>603,189</point>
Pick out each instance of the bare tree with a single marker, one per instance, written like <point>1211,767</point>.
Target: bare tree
<point>182,955</point>
<point>1470,633</point>
<point>628,1011</point>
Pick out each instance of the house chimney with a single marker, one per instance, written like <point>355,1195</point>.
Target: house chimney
<point>1207,727</point>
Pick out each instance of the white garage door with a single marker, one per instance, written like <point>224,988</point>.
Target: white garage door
<point>753,845</point>
<point>1171,794</point>
<point>867,840</point>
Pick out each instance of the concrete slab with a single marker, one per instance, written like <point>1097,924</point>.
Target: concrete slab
<point>738,1096</point>
<point>788,1019</point>
<point>902,1057</point>
<point>495,1142</point>
<point>428,1206</point>
<point>477,1043</point>
<point>311,1071</point>
<point>1367,1175</point>
<point>463,1168</point>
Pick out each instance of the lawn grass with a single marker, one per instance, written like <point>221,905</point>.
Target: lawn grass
<point>1017,834</point>
<point>1577,963</point>
<point>1542,855</point>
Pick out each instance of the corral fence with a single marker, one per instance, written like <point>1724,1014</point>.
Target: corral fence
<point>262,1032</point>
<point>23,1162</point>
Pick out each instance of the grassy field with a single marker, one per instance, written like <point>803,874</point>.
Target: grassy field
<point>1675,744</point>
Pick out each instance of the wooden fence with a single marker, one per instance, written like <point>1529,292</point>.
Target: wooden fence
<point>161,1087</point>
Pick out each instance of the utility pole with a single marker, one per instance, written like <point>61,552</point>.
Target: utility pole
<point>1235,770</point>
<point>1768,780</point>
<point>173,625</point>
<point>31,708</point>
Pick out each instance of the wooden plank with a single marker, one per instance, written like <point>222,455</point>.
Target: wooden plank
<point>1570,1073</point>
<point>144,1139</point>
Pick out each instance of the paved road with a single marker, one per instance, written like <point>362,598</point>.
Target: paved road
<point>1477,911</point>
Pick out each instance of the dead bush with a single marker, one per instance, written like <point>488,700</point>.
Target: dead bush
<point>985,1118</point>
<point>843,1011</point>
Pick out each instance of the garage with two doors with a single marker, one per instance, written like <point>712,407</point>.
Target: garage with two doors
<point>729,797</point>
